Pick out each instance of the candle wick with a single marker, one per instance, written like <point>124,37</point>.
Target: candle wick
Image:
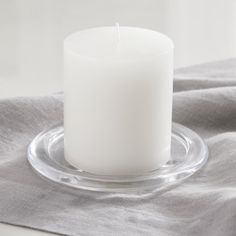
<point>118,31</point>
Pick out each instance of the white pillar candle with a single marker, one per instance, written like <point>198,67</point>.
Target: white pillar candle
<point>118,100</point>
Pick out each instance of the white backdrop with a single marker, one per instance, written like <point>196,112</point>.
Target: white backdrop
<point>32,32</point>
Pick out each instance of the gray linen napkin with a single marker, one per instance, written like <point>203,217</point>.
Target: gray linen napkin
<point>205,204</point>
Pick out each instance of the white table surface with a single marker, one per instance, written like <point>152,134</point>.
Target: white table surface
<point>10,230</point>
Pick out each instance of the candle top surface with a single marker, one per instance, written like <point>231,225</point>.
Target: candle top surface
<point>120,43</point>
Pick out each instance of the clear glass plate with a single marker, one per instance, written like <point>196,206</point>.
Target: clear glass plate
<point>46,156</point>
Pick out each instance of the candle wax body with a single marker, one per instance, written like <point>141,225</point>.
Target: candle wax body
<point>118,100</point>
